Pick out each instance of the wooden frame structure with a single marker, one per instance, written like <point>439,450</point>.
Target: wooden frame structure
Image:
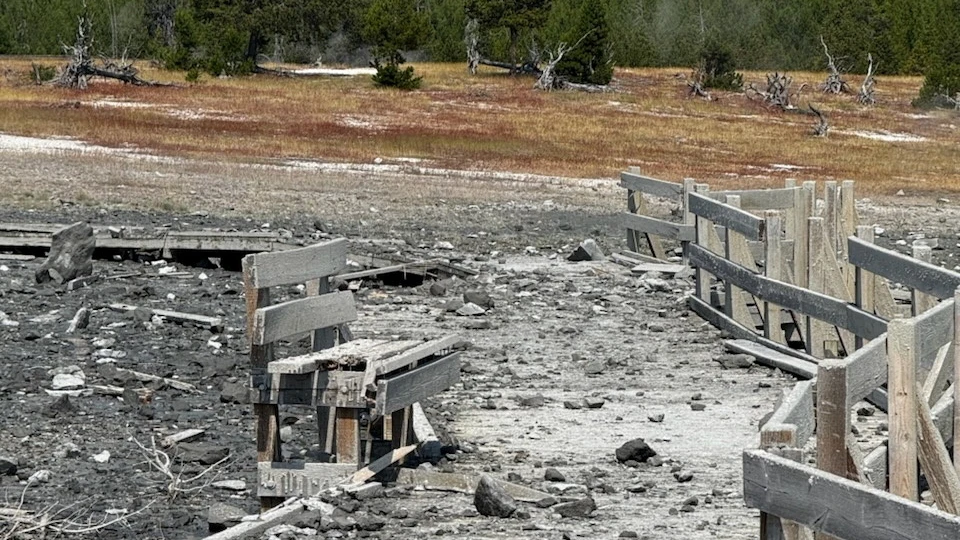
<point>364,391</point>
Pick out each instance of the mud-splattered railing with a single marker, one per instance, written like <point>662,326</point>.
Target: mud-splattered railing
<point>846,498</point>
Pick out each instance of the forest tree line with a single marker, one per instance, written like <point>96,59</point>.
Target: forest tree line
<point>904,36</point>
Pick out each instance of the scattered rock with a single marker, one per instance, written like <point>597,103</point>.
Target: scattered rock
<point>593,403</point>
<point>80,320</point>
<point>8,466</point>
<point>40,477</point>
<point>62,406</point>
<point>734,361</point>
<point>479,298</point>
<point>683,477</point>
<point>235,392</point>
<point>656,418</point>
<point>577,509</point>
<point>443,245</point>
<point>438,289</point>
<point>492,500</point>
<point>572,405</point>
<point>453,305</point>
<point>71,254</point>
<point>628,534</point>
<point>204,453</point>
<point>553,475</point>
<point>636,450</point>
<point>470,309</point>
<point>588,250</point>
<point>533,401</point>
<point>698,406</point>
<point>67,381</point>
<point>221,516</point>
<point>102,457</point>
<point>595,367</point>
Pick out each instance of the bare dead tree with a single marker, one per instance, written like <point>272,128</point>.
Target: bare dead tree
<point>471,37</point>
<point>81,67</point>
<point>834,83</point>
<point>777,93</point>
<point>819,130</point>
<point>696,82</point>
<point>954,100</point>
<point>867,87</point>
<point>547,79</point>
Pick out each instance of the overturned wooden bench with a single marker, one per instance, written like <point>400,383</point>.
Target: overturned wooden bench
<point>364,391</point>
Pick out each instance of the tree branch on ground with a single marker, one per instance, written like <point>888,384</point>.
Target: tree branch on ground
<point>834,83</point>
<point>697,79</point>
<point>777,93</point>
<point>176,483</point>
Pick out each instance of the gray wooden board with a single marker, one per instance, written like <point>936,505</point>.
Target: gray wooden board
<point>806,369</point>
<point>934,330</point>
<point>382,366</point>
<point>216,241</point>
<point>213,323</point>
<point>258,524</point>
<point>430,445</point>
<point>866,369</point>
<point>296,266</point>
<point>741,221</point>
<point>837,506</point>
<point>463,483</point>
<point>797,409</point>
<point>721,321</point>
<point>943,416</point>
<point>426,380</point>
<point>299,478</point>
<point>634,258</point>
<point>650,186</point>
<point>288,319</point>
<point>820,306</point>
<point>761,199</point>
<point>899,268</point>
<point>663,268</point>
<point>341,354</point>
<point>659,227</point>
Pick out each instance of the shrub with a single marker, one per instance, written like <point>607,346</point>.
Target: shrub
<point>941,82</point>
<point>719,70</point>
<point>390,74</point>
<point>193,75</point>
<point>42,74</point>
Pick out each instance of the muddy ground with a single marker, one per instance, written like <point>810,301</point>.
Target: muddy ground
<point>566,331</point>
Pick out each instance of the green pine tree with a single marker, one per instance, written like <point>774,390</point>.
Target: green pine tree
<point>589,61</point>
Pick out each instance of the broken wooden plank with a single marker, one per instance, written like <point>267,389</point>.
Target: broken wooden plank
<point>650,186</point>
<point>817,305</point>
<point>181,436</point>
<point>663,268</point>
<point>299,478</point>
<point>837,506</point>
<point>380,464</point>
<point>382,366</point>
<point>464,483</point>
<point>658,227</point>
<point>738,331</point>
<point>110,370</point>
<point>16,258</point>
<point>296,266</point>
<point>631,258</point>
<point>426,380</point>
<point>735,219</point>
<point>803,368</point>
<point>899,268</point>
<point>430,446</point>
<point>214,324</point>
<point>295,317</point>
<point>935,459</point>
<point>797,409</point>
<point>255,525</point>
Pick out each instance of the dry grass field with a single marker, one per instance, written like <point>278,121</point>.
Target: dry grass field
<point>494,122</point>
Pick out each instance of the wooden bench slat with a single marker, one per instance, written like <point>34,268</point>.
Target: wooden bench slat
<point>304,315</point>
<point>397,392</point>
<point>297,265</point>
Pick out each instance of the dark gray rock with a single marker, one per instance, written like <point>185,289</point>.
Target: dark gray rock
<point>553,475</point>
<point>71,254</point>
<point>577,509</point>
<point>595,367</point>
<point>533,401</point>
<point>438,289</point>
<point>698,406</point>
<point>593,403</point>
<point>636,450</point>
<point>572,405</point>
<point>588,250</point>
<point>479,298</point>
<point>629,534</point>
<point>492,500</point>
<point>453,305</point>
<point>221,516</point>
<point>62,406</point>
<point>235,392</point>
<point>656,418</point>
<point>8,465</point>
<point>547,502</point>
<point>683,477</point>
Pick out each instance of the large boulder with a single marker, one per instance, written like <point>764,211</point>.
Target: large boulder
<point>492,500</point>
<point>635,450</point>
<point>71,254</point>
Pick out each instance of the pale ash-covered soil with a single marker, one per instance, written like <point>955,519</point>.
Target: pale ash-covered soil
<point>551,319</point>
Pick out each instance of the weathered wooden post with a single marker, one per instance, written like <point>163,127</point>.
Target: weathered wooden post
<point>773,269</point>
<point>902,391</point>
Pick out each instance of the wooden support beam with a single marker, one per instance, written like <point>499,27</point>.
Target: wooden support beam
<point>737,252</point>
<point>729,217</point>
<point>635,181</point>
<point>922,302</point>
<point>266,416</point>
<point>864,281</point>
<point>899,268</point>
<point>847,227</point>
<point>703,226</point>
<point>664,229</point>
<point>384,461</point>
<point>902,385</point>
<point>935,461</point>
<point>817,331</point>
<point>833,417</point>
<point>801,258</point>
<point>956,378</point>
<point>772,268</point>
<point>831,214</point>
<point>348,436</point>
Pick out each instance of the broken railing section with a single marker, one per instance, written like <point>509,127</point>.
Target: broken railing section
<point>366,392</point>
